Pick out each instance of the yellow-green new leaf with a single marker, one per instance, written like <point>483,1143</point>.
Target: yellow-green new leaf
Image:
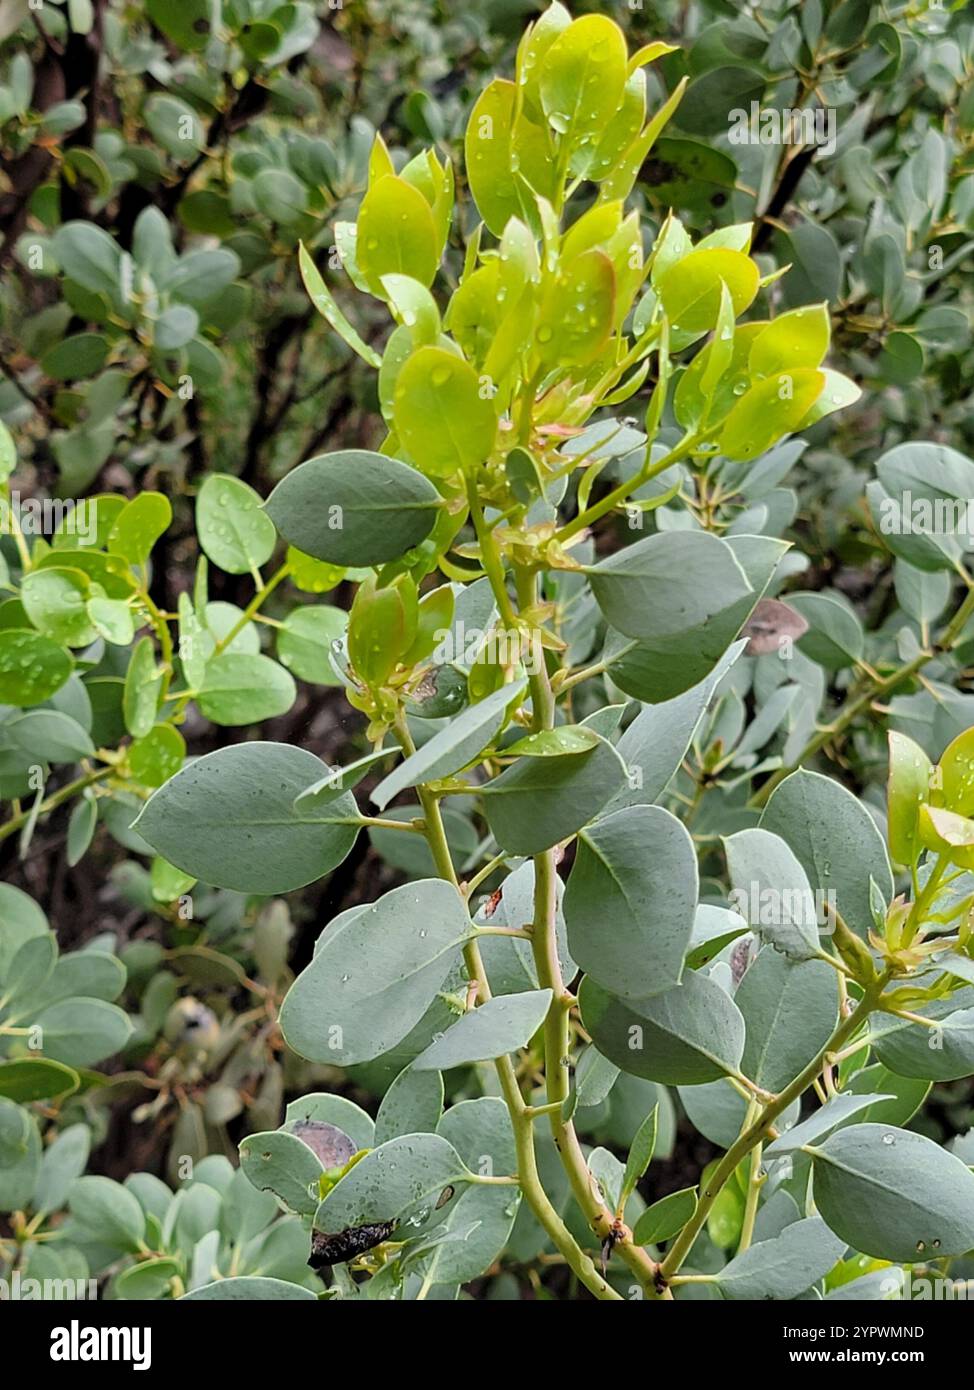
<point>323,300</point>
<point>769,410</point>
<point>799,338</point>
<point>396,234</point>
<point>582,78</point>
<point>691,289</point>
<point>443,421</point>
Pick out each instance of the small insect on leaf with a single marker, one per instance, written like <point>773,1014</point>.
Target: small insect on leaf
<point>348,1244</point>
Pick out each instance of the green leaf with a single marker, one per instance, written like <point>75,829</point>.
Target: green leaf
<point>63,1161</point>
<point>790,1010</point>
<point>551,743</point>
<point>487,154</point>
<point>282,1163</point>
<point>656,742</point>
<point>147,1281</point>
<point>54,600</point>
<point>396,234</point>
<point>143,689</point>
<point>666,1217</point>
<point>785,1267</point>
<point>81,355</point>
<point>229,819</point>
<point>692,1034</point>
<point>89,257</point>
<point>690,290</point>
<point>26,1080</point>
<point>640,1156</point>
<point>582,77</point>
<point>909,785</point>
<point>187,24</point>
<point>404,1176</point>
<point>944,1052</point>
<point>838,1110</point>
<point>234,531</point>
<point>836,841</point>
<point>413,1104</point>
<point>956,774</point>
<point>497,1027</point>
<point>241,689</point>
<point>772,892</point>
<point>575,317</point>
<point>668,584</point>
<point>112,619</point>
<point>835,638</point>
<point>323,300</point>
<point>338,780</point>
<point>538,801</point>
<point>635,868</point>
<point>8,453</point>
<point>894,1194</point>
<point>158,756</point>
<point>32,667</point>
<point>796,339</point>
<point>49,736</point>
<point>354,508</point>
<point>445,423</point>
<point>139,525</point>
<point>20,1156</point>
<point>480,1132</point>
<point>395,954</point>
<point>306,639</point>
<point>198,277</point>
<point>175,125</point>
<point>770,409</point>
<point>249,1288</point>
<point>454,746</point>
<point>81,1032</point>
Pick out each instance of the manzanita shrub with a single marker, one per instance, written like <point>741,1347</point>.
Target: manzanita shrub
<point>588,688</point>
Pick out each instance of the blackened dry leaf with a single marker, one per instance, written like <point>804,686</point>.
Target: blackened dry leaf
<point>346,1245</point>
<point>331,1144</point>
<point>771,623</point>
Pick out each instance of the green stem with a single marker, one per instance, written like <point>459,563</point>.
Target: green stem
<point>754,1184</point>
<point>490,559</point>
<point>875,688</point>
<point>56,799</point>
<point>252,608</point>
<point>521,1121</point>
<point>612,499</point>
<point>757,1130</point>
<point>557,1025</point>
<point>843,719</point>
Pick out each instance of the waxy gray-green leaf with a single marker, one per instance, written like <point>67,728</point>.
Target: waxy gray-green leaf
<point>536,802</point>
<point>495,1028</point>
<point>229,819</point>
<point>894,1194</point>
<point>631,899</point>
<point>354,507</point>
<point>455,745</point>
<point>691,1034</point>
<point>375,974</point>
